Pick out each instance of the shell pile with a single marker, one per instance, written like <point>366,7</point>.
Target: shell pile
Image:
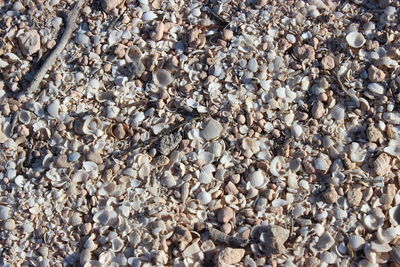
<point>201,133</point>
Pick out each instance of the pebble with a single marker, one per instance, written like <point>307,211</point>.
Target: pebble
<point>62,161</point>
<point>82,39</point>
<point>109,5</point>
<point>119,131</point>
<point>229,256</point>
<point>331,195</point>
<point>227,35</point>
<point>318,110</point>
<point>225,214</point>
<point>305,52</point>
<point>328,63</point>
<point>94,156</point>
<point>29,42</point>
<point>376,75</point>
<point>9,225</point>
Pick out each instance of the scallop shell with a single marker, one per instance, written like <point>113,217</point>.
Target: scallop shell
<point>355,39</point>
<point>328,257</point>
<point>376,89</point>
<point>382,164</point>
<point>337,112</point>
<point>162,78</point>
<point>395,254</point>
<point>356,242</point>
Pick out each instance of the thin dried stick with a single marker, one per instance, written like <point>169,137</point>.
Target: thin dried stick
<point>70,26</point>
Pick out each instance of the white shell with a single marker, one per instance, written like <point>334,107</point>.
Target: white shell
<point>149,15</point>
<point>328,257</point>
<point>132,54</point>
<point>337,112</point>
<point>378,247</point>
<point>204,197</point>
<point>162,78</point>
<point>355,39</point>
<point>376,89</point>
<point>116,244</point>
<point>275,165</point>
<point>297,131</point>
<point>387,235</point>
<point>53,108</point>
<point>92,126</point>
<point>106,216</point>
<point>212,130</point>
<point>356,242</point>
<point>256,178</point>
<point>4,213</point>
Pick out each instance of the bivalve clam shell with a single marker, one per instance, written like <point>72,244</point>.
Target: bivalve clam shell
<point>355,39</point>
<point>162,78</point>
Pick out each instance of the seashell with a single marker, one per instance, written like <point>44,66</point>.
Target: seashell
<point>133,54</point>
<point>53,108</point>
<point>355,39</point>
<point>251,146</point>
<point>256,178</point>
<point>116,244</point>
<point>92,126</point>
<point>337,112</point>
<point>106,216</point>
<point>149,15</point>
<point>378,247</point>
<point>297,131</point>
<point>275,165</point>
<point>395,254</point>
<point>4,213</point>
<point>85,256</point>
<point>158,32</point>
<point>387,235</point>
<point>204,158</point>
<point>231,200</point>
<point>204,197</point>
<point>325,241</point>
<point>394,215</point>
<point>162,78</point>
<point>376,89</point>
<point>393,149</point>
<point>356,242</point>
<point>387,62</point>
<point>372,222</point>
<point>357,154</point>
<point>75,219</point>
<point>24,117</point>
<point>205,177</point>
<point>328,257</point>
<point>382,164</point>
<point>298,211</point>
<point>169,180</point>
<point>252,65</point>
<point>212,130</point>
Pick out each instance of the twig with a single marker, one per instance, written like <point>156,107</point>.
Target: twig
<point>70,26</point>
<point>231,241</point>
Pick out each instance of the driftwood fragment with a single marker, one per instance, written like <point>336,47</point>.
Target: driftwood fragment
<point>70,26</point>
<point>228,240</point>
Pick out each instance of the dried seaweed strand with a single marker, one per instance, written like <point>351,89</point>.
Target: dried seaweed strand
<point>221,237</point>
<point>70,26</point>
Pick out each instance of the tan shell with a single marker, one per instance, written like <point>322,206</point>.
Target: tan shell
<point>382,164</point>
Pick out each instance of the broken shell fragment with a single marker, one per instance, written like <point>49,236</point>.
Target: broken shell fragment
<point>162,78</point>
